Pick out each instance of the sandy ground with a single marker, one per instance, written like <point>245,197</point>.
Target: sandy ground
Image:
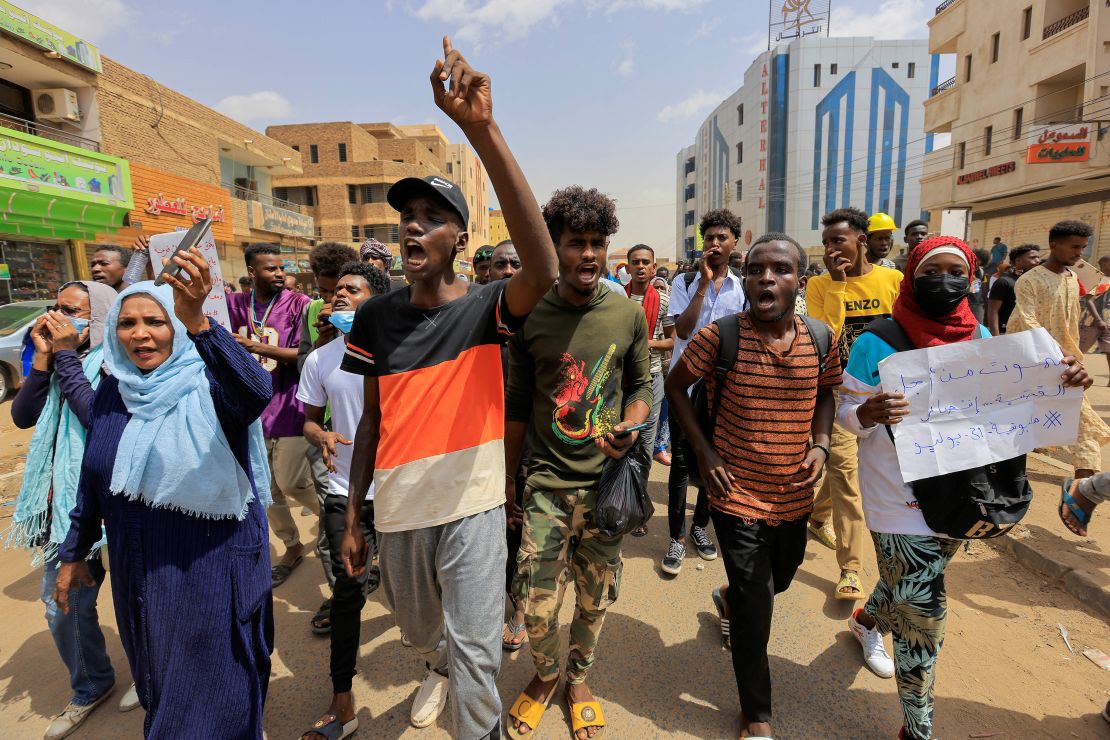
<point>1004,670</point>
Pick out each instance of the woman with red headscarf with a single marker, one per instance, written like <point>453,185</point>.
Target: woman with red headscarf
<point>909,600</point>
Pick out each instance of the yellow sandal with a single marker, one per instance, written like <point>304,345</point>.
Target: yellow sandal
<point>584,715</point>
<point>529,711</point>
<point>849,579</point>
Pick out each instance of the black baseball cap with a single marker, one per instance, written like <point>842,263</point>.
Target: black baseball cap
<point>405,190</point>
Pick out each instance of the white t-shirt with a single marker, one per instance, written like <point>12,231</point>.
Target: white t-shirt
<point>323,383</point>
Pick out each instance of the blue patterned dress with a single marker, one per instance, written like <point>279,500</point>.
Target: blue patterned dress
<point>192,595</point>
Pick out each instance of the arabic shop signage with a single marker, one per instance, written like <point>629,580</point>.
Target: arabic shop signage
<point>159,204</point>
<point>266,217</point>
<point>998,169</point>
<point>59,191</point>
<point>1060,144</point>
<point>35,30</point>
<point>793,19</point>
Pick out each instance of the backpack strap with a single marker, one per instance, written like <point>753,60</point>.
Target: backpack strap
<point>729,329</point>
<point>822,339</point>
<point>891,332</point>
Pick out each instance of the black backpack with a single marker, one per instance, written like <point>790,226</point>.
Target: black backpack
<point>704,411</point>
<point>974,504</point>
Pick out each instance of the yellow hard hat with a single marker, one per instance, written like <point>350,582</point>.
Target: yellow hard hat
<point>881,222</point>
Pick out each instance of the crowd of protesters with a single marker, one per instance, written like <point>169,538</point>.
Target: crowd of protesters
<point>447,429</point>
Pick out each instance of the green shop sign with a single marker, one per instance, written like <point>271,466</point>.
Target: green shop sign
<point>59,191</point>
<point>35,30</point>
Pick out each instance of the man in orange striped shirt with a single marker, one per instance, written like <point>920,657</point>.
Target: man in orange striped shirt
<point>766,452</point>
<point>432,432</point>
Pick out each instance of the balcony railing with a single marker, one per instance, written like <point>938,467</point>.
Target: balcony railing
<point>946,85</point>
<point>1066,22</point>
<point>943,6</point>
<point>47,132</point>
<point>242,193</point>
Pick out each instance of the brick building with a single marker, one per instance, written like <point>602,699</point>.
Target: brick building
<point>349,167</point>
<point>192,157</point>
<point>498,231</point>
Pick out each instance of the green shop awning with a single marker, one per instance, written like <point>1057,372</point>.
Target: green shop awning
<point>54,190</point>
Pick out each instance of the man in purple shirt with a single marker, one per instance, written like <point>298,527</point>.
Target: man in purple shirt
<point>267,323</point>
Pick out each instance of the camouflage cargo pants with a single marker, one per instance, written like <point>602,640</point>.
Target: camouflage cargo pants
<point>557,546</point>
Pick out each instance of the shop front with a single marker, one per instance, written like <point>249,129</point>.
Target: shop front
<point>53,197</point>
<point>291,230</point>
<point>166,202</point>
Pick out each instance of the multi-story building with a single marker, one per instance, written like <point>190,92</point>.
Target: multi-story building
<point>187,160</point>
<point>466,170</point>
<point>819,123</point>
<point>349,167</point>
<point>1028,111</point>
<point>58,188</point>
<point>498,231</point>
<point>92,152</point>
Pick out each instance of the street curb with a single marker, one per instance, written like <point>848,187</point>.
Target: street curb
<point>1079,583</point>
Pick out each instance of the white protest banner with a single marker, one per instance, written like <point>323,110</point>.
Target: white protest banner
<point>215,305</point>
<point>974,403</point>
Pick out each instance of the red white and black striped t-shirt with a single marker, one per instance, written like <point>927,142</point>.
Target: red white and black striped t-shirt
<point>765,418</point>
<point>441,450</point>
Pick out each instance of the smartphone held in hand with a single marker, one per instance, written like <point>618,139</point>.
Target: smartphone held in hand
<point>191,239</point>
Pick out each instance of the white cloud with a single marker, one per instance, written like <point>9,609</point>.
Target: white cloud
<point>88,19</point>
<point>264,105</point>
<point>893,19</point>
<point>626,64</point>
<point>691,106</point>
<point>707,27</point>
<point>611,6</point>
<point>505,18</point>
<point>480,21</point>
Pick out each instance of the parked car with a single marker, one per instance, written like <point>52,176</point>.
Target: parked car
<point>15,320</point>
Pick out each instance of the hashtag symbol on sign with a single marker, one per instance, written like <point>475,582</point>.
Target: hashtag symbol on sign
<point>1052,419</point>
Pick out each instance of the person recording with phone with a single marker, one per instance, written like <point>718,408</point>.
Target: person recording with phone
<point>175,474</point>
<point>55,399</point>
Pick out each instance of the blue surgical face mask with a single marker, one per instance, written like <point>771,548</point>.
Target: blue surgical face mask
<point>78,323</point>
<point>342,320</point>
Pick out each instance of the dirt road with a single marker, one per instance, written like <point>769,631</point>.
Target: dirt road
<point>661,671</point>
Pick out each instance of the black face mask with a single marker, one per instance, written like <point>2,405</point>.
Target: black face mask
<point>939,295</point>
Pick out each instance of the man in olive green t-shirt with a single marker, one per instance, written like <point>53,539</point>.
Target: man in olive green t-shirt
<point>579,374</point>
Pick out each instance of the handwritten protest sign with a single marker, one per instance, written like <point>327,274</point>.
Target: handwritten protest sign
<point>215,305</point>
<point>973,403</point>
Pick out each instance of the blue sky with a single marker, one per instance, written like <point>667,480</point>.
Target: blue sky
<point>588,92</point>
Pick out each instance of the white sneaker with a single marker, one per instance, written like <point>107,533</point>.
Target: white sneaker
<point>430,700</point>
<point>874,652</point>
<point>130,700</point>
<point>72,717</point>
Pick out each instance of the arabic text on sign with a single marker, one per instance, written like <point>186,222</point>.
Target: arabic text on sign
<point>160,204</point>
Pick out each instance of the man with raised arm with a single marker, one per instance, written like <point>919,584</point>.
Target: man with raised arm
<point>431,437</point>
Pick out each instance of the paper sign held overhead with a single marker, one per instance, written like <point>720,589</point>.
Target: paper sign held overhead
<point>215,305</point>
<point>974,403</point>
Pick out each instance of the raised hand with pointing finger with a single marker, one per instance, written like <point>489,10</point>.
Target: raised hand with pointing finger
<point>461,91</point>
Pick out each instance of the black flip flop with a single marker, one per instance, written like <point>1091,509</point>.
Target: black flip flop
<point>279,573</point>
<point>323,613</point>
<point>331,728</point>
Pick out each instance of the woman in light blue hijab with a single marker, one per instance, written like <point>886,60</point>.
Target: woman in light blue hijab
<point>175,470</point>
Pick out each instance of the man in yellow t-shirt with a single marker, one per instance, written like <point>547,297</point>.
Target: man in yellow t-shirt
<point>848,297</point>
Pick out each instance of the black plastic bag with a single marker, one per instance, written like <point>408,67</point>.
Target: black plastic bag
<point>622,501</point>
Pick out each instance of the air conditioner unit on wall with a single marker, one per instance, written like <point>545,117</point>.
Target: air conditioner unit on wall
<point>58,104</point>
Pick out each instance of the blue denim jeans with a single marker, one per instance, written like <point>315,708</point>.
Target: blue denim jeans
<point>77,635</point>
